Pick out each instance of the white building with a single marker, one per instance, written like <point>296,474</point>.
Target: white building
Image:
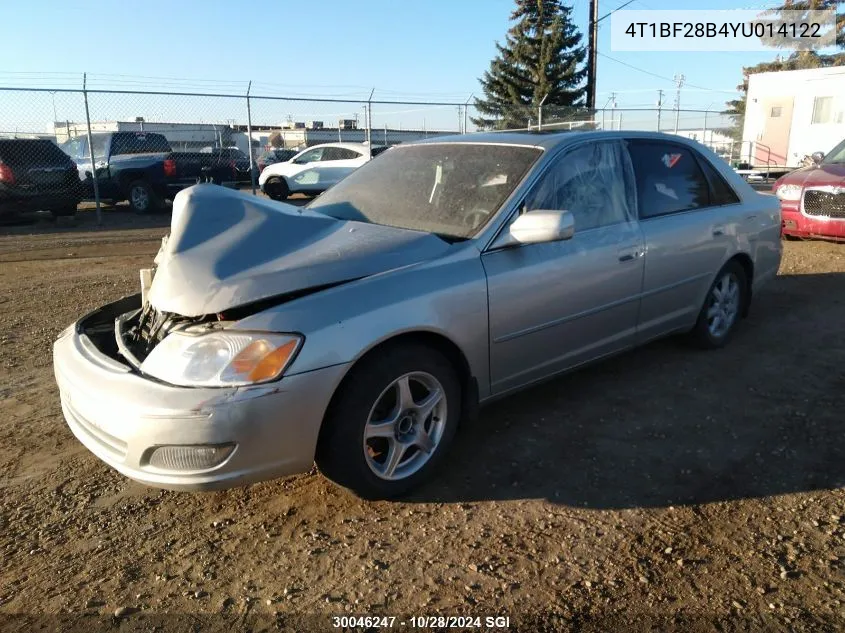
<point>181,136</point>
<point>793,113</point>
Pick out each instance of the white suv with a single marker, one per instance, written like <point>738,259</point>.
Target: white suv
<point>313,170</point>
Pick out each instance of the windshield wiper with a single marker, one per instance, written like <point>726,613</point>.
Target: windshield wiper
<point>450,239</point>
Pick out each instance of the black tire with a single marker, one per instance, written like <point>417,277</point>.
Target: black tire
<point>703,334</point>
<point>277,188</point>
<point>64,212</point>
<point>341,448</point>
<point>142,198</point>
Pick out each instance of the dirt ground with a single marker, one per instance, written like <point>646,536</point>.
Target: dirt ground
<point>666,489</point>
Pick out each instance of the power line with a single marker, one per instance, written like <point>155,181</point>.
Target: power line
<point>621,6</point>
<point>664,78</point>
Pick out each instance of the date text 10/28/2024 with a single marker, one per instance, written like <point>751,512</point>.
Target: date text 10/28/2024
<point>421,622</point>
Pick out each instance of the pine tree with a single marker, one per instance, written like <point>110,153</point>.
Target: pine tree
<point>817,5</point>
<point>542,55</point>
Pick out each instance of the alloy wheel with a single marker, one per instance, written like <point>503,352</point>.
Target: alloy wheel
<point>723,305</point>
<point>405,426</point>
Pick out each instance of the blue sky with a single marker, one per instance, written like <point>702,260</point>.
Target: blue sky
<point>432,49</point>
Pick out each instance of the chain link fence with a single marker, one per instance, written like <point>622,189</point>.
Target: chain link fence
<point>59,147</point>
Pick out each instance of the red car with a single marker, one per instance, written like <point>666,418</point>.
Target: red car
<point>812,199</point>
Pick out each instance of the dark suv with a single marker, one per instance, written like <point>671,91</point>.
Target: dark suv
<point>35,175</point>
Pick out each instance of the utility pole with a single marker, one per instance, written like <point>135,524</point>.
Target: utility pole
<point>659,107</point>
<point>679,79</point>
<point>593,56</point>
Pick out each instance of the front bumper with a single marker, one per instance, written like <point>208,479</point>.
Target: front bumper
<point>796,224</point>
<point>121,417</point>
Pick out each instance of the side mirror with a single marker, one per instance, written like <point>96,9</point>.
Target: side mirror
<point>535,227</point>
<point>817,157</point>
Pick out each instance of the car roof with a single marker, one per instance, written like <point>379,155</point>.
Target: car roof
<point>19,141</point>
<point>352,146</point>
<point>549,139</point>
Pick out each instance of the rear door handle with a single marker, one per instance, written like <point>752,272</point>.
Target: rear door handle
<point>718,231</point>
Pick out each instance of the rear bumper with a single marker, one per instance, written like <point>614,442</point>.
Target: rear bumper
<point>13,203</point>
<point>796,224</point>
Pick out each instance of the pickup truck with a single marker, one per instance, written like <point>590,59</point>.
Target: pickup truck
<point>142,168</point>
<point>36,175</point>
<point>236,159</point>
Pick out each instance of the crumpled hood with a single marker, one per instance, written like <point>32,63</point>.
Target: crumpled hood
<point>227,249</point>
<point>817,176</point>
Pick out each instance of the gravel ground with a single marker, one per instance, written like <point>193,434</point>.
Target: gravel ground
<point>666,489</point>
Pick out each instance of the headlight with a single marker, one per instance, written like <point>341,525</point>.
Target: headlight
<point>789,192</point>
<point>221,359</point>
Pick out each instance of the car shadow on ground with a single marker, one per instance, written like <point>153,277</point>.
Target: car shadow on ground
<point>669,425</point>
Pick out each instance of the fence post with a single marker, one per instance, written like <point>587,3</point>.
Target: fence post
<point>540,113</point>
<point>91,151</point>
<point>466,107</point>
<point>249,137</point>
<point>370,119</point>
<point>659,107</point>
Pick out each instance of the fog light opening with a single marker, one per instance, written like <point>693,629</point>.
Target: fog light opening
<point>185,458</point>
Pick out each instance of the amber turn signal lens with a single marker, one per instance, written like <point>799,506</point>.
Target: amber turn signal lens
<point>260,361</point>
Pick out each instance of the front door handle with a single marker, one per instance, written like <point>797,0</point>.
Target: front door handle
<point>630,254</point>
<point>718,231</point>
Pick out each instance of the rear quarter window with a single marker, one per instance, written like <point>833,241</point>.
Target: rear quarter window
<point>721,193</point>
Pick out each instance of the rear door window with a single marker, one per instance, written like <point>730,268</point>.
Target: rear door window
<point>669,178</point>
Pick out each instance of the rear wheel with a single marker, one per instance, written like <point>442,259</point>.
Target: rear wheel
<point>142,198</point>
<point>725,302</point>
<point>277,188</point>
<point>392,422</point>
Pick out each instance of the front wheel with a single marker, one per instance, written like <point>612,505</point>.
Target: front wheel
<point>277,189</point>
<point>391,423</point>
<point>722,308</point>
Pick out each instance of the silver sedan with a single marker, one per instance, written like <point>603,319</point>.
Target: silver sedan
<point>360,332</point>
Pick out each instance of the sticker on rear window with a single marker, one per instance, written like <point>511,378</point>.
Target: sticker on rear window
<point>670,160</point>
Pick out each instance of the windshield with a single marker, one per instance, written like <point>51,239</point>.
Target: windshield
<point>836,155</point>
<point>451,189</point>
